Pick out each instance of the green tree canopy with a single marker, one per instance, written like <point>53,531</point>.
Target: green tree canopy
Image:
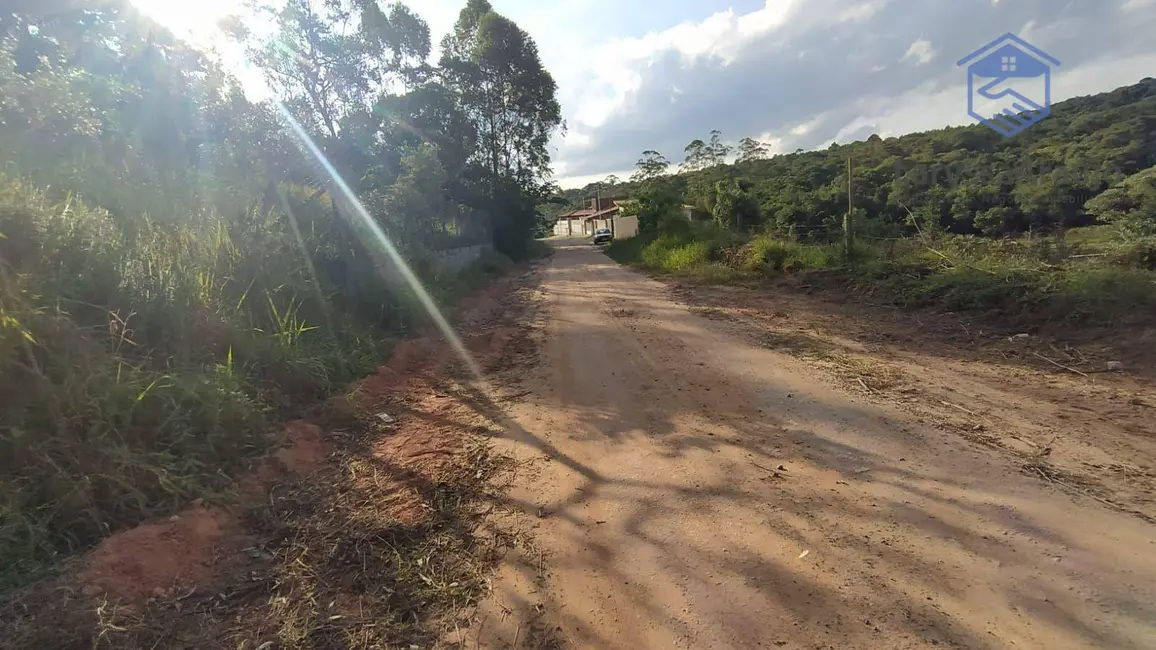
<point>1131,205</point>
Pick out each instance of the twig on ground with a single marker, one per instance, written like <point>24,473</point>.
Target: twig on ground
<point>969,412</point>
<point>957,406</point>
<point>1061,366</point>
<point>766,470</point>
<point>1026,441</point>
<point>1051,479</point>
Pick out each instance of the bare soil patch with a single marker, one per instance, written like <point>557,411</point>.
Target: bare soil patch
<point>1074,405</point>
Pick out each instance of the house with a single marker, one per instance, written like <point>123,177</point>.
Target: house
<point>598,213</point>
<point>578,222</point>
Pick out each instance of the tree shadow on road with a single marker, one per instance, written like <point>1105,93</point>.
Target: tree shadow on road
<point>890,540</point>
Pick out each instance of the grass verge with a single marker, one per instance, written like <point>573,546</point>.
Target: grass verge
<point>1092,279</point>
<point>384,545</point>
<point>142,366</point>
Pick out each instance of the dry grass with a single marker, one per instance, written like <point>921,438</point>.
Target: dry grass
<point>365,562</point>
<point>365,554</point>
<point>856,370</point>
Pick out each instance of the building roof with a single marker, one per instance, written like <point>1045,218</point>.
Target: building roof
<point>576,214</point>
<point>604,213</point>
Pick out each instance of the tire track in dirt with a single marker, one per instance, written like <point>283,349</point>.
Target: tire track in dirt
<point>689,489</point>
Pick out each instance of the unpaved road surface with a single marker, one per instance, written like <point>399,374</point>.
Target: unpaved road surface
<point>694,479</point>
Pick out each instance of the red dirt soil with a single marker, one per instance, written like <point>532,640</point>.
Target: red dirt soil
<point>159,558</point>
<point>305,448</point>
<point>190,548</point>
<point>420,443</point>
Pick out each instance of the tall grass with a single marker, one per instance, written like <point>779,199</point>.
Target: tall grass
<point>1091,276</point>
<point>707,252</point>
<point>141,363</point>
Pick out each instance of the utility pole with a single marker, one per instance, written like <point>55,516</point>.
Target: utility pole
<point>597,203</point>
<point>848,225</point>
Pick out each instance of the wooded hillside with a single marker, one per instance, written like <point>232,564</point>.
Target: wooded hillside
<point>962,179</point>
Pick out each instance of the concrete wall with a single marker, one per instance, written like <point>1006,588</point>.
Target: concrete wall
<point>456,258</point>
<point>625,227</point>
<point>595,224</point>
<point>567,227</point>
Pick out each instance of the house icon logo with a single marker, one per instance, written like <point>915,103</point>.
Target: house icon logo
<point>1009,84</point>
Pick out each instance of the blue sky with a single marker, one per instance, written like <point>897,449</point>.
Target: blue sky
<point>655,74</point>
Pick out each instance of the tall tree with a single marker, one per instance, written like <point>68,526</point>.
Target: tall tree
<point>650,166</point>
<point>509,98</point>
<point>328,59</point>
<point>696,156</point>
<point>508,95</point>
<point>416,204</point>
<point>1130,205</point>
<point>733,205</point>
<point>751,149</point>
<point>717,150</point>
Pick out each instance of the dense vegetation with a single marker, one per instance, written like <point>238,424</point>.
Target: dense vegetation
<point>177,269</point>
<point>964,180</point>
<point>961,217</point>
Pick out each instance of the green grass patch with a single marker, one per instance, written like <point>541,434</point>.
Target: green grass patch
<point>1089,277</point>
<point>681,248</point>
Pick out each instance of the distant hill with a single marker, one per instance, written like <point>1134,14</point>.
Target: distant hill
<point>965,179</point>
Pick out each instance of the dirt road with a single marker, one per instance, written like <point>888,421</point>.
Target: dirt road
<point>691,488</point>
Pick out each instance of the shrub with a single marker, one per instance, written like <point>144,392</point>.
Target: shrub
<point>104,445</point>
<point>1139,254</point>
<point>964,288</point>
<point>1101,294</point>
<point>766,255</point>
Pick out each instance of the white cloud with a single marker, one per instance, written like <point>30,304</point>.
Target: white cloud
<point>920,51</point>
<point>1135,5</point>
<point>862,11</point>
<point>1028,31</point>
<point>800,130</point>
<point>1103,73</point>
<point>568,182</point>
<point>775,144</point>
<point>919,109</point>
<point>577,139</point>
<point>931,106</point>
<point>598,83</point>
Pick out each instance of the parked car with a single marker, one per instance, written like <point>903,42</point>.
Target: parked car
<point>602,236</point>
